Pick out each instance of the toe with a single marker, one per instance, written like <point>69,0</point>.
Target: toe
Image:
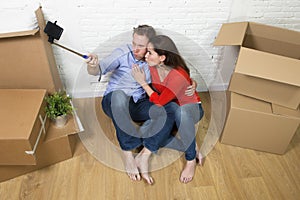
<point>138,177</point>
<point>134,177</point>
<point>150,181</point>
<point>182,179</point>
<point>186,180</point>
<point>130,176</point>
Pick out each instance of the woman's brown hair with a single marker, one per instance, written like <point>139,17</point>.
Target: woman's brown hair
<point>163,45</point>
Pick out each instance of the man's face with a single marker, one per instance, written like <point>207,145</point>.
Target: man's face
<point>139,44</point>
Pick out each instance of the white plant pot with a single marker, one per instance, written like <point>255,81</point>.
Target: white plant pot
<point>60,121</point>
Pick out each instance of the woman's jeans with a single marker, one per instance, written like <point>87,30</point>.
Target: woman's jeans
<point>186,117</point>
<point>123,111</point>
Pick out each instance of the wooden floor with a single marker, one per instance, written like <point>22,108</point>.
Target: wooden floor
<point>228,173</point>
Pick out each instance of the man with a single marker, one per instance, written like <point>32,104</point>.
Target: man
<point>125,100</point>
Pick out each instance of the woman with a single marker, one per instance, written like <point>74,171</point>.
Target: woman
<point>170,77</point>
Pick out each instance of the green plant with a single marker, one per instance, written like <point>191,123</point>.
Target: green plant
<point>58,104</point>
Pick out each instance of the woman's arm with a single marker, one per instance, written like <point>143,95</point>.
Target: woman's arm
<point>167,95</point>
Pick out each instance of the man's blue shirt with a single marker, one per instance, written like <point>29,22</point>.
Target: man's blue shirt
<point>120,62</point>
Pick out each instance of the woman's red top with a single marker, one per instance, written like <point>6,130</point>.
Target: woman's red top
<point>172,88</point>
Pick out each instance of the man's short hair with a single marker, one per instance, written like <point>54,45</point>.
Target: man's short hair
<point>146,30</point>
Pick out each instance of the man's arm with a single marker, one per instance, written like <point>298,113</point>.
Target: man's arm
<point>190,90</point>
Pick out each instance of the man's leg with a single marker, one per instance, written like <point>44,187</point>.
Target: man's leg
<point>116,106</point>
<point>139,112</point>
<point>158,129</point>
<point>155,131</point>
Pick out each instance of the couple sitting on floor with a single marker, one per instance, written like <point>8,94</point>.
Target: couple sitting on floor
<point>150,83</point>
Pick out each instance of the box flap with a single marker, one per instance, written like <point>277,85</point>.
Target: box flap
<point>268,66</point>
<point>18,34</point>
<point>38,69</point>
<point>41,22</point>
<point>274,33</point>
<point>248,103</point>
<point>280,110</point>
<point>69,129</point>
<point>231,34</point>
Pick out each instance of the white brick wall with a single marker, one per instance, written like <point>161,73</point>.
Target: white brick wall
<point>93,25</point>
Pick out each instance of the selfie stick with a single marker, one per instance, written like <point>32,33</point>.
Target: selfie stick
<point>54,32</point>
<point>75,52</point>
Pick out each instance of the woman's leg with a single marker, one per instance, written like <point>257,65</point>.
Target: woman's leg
<point>186,117</point>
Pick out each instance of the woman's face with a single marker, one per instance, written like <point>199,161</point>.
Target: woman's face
<point>151,57</point>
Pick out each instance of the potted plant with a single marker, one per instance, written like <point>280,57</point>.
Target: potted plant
<point>58,107</point>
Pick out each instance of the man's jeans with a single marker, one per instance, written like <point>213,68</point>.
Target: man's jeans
<point>123,110</point>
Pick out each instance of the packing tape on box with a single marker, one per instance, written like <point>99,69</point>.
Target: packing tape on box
<point>43,122</point>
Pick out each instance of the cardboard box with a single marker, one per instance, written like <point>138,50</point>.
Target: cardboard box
<point>268,64</point>
<point>27,60</point>
<point>252,123</point>
<point>23,124</point>
<point>58,145</point>
<point>27,64</point>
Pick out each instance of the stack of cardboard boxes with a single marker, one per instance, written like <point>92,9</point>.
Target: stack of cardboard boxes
<point>28,141</point>
<point>264,90</point>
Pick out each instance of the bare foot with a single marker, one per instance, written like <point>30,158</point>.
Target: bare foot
<point>131,166</point>
<point>188,172</point>
<point>199,156</point>
<point>142,161</point>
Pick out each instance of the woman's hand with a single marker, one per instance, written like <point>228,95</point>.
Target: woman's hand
<point>138,74</point>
